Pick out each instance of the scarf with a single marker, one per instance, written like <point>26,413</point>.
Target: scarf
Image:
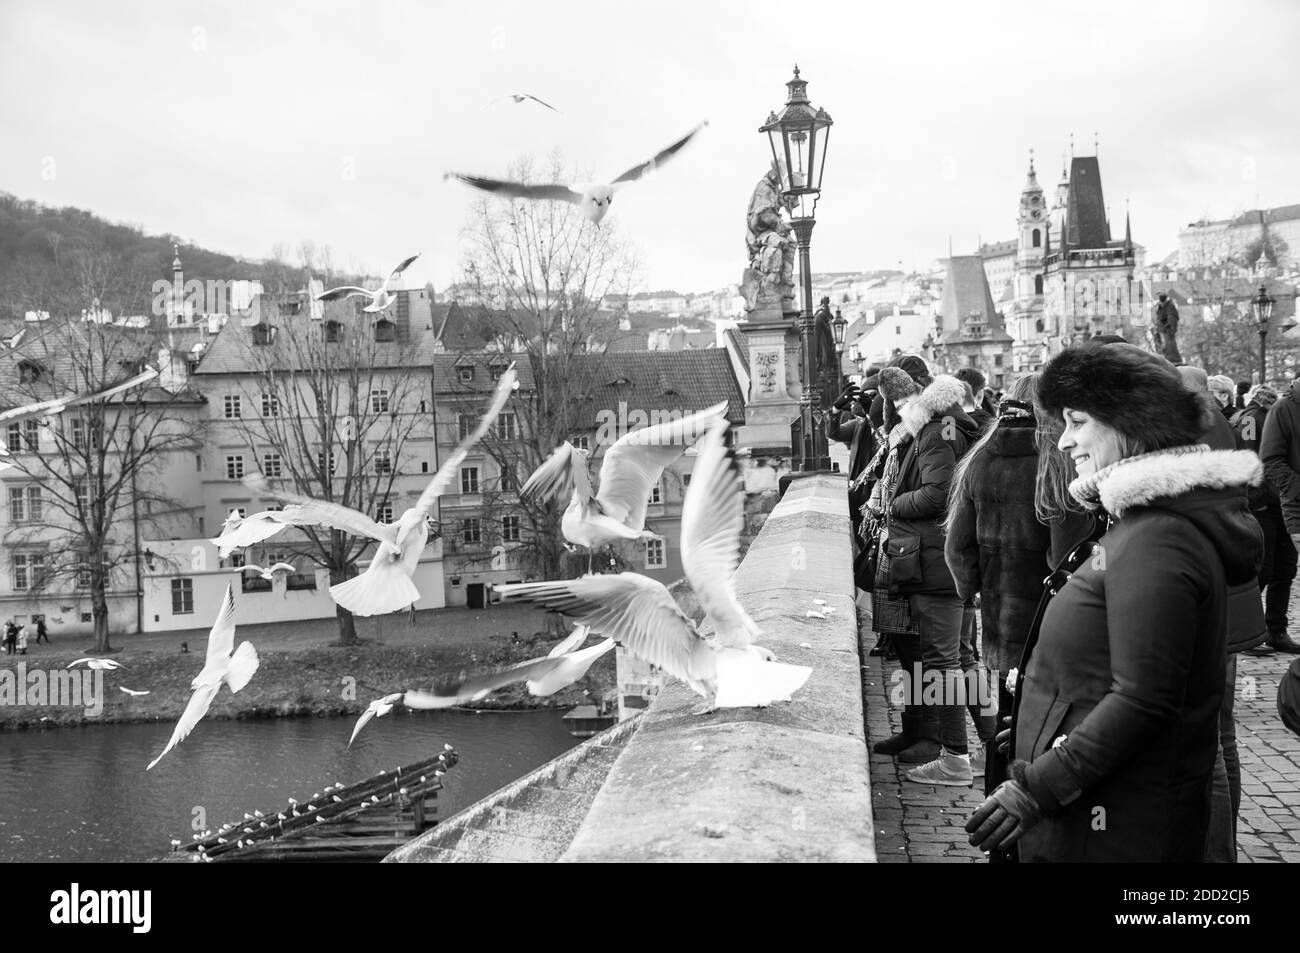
<point>1087,489</point>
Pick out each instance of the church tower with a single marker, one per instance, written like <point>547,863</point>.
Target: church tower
<point>1032,221</point>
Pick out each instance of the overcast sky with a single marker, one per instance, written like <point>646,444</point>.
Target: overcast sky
<point>235,125</point>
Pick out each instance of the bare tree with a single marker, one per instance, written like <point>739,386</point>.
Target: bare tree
<point>540,272</point>
<point>335,406</point>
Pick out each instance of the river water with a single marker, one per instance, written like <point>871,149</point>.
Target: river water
<point>82,794</point>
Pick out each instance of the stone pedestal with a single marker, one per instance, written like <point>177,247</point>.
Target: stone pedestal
<point>774,385</point>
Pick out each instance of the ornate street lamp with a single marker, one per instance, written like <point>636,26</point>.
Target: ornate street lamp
<point>798,138</point>
<point>838,327</point>
<point>1263,307</point>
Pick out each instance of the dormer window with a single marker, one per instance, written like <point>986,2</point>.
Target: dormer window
<point>497,371</point>
<point>29,372</point>
<point>385,331</point>
<point>263,334</point>
<point>466,373</point>
<point>332,331</point>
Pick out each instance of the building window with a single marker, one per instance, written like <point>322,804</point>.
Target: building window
<point>471,531</point>
<point>686,479</point>
<point>507,425</point>
<point>24,504</point>
<point>510,529</point>
<point>78,433</point>
<point>1038,286</point>
<point>383,462</point>
<point>263,334</point>
<point>497,371</point>
<point>82,492</point>
<point>1037,238</point>
<point>655,496</point>
<point>321,461</point>
<point>81,579</point>
<point>182,596</point>
<point>331,337</point>
<point>997,360</point>
<point>581,443</point>
<point>15,436</point>
<point>270,405</point>
<point>1038,325</point>
<point>654,554</point>
<point>385,332</point>
<point>28,570</point>
<point>32,435</point>
<point>232,406</point>
<point>469,479</point>
<point>272,465</point>
<point>384,514</point>
<point>509,479</point>
<point>465,373</point>
<point>464,425</point>
<point>379,400</point>
<point>234,466</point>
<point>28,372</point>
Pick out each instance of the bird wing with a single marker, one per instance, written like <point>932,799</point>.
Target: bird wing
<point>34,410</point>
<point>397,271</point>
<point>634,610</point>
<point>142,378</point>
<point>283,567</point>
<point>558,475</point>
<point>451,466</point>
<point>536,100</point>
<point>255,529</point>
<point>366,715</point>
<point>311,512</point>
<point>571,642</point>
<point>243,664</point>
<point>221,640</point>
<point>637,171</point>
<point>79,661</point>
<point>345,291</point>
<point>463,688</point>
<point>713,516</point>
<point>247,567</point>
<point>636,461</point>
<point>518,190</point>
<point>199,704</point>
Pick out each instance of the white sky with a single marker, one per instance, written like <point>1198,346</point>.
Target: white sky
<point>230,124</point>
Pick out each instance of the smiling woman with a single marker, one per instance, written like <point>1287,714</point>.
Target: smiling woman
<point>1117,733</point>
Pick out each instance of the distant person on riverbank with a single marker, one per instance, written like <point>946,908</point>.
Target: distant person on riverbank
<point>41,631</point>
<point>22,640</point>
<point>11,636</point>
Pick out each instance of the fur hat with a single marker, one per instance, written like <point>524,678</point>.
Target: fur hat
<point>976,380</point>
<point>1223,384</point>
<point>895,384</point>
<point>1263,395</point>
<point>1138,393</point>
<point>1194,379</point>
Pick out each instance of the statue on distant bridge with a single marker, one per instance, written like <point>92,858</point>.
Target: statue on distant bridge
<point>769,280</point>
<point>1165,328</point>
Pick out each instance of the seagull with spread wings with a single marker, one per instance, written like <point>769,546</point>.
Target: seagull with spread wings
<point>379,300</point>
<point>267,574</point>
<point>563,666</point>
<point>59,404</point>
<point>629,472</point>
<point>100,664</point>
<point>386,585</point>
<point>594,200</point>
<point>641,615</point>
<point>520,98</point>
<point>221,667</point>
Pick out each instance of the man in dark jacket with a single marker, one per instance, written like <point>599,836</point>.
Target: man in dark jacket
<point>848,422</point>
<point>1278,571</point>
<point>1279,448</point>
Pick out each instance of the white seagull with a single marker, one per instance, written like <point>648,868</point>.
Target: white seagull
<point>267,574</point>
<point>386,585</point>
<point>629,472</point>
<point>522,97</point>
<point>131,691</point>
<point>594,200</point>
<point>60,404</point>
<point>221,667</point>
<point>379,300</point>
<point>257,528</point>
<point>642,616</point>
<point>99,664</point>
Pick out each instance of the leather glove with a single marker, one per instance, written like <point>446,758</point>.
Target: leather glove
<point>850,394</point>
<point>1003,818</point>
<point>1002,741</point>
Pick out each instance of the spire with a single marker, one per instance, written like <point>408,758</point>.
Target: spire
<point>1128,230</point>
<point>176,261</point>
<point>1047,238</point>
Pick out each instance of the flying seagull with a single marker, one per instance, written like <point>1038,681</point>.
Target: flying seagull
<point>629,472</point>
<point>131,691</point>
<point>100,664</point>
<point>594,200</point>
<point>386,585</point>
<point>641,615</point>
<point>521,97</point>
<point>379,300</point>
<point>221,667</point>
<point>267,574</point>
<point>59,404</point>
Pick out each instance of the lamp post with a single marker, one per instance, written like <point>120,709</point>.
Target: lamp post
<point>1263,307</point>
<point>798,138</point>
<point>839,326</point>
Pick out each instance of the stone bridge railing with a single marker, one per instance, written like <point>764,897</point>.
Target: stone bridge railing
<point>785,783</point>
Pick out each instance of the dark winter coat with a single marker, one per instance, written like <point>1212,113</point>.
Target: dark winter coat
<point>1119,718</point>
<point>941,434</point>
<point>1279,448</point>
<point>841,425</point>
<point>996,547</point>
<point>1248,428</point>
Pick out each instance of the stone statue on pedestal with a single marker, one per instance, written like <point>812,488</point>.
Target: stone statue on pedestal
<point>1165,328</point>
<point>768,282</point>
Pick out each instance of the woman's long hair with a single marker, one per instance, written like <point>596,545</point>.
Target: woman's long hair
<point>1052,499</point>
<point>1023,389</point>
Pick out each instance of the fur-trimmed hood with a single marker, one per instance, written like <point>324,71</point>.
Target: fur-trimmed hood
<point>942,397</point>
<point>1205,486</point>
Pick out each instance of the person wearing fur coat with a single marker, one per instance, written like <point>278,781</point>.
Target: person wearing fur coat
<point>932,434</point>
<point>1117,728</point>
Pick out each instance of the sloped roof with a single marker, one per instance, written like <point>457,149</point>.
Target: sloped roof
<point>966,289</point>
<point>685,381</point>
<point>1085,214</point>
<point>740,342</point>
<point>416,343</point>
<point>446,373</point>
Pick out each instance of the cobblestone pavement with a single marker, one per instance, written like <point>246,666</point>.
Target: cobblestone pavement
<point>921,823</point>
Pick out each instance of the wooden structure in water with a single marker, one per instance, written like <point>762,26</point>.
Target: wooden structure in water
<point>583,721</point>
<point>361,822</point>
